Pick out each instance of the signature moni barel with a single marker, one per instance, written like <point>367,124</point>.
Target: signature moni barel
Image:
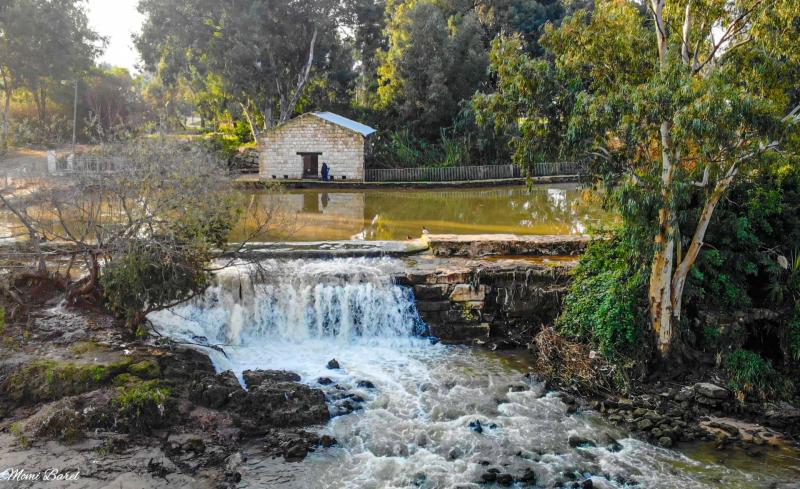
<point>52,474</point>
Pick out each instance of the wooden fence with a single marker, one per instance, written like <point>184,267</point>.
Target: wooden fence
<point>548,168</point>
<point>468,173</point>
<point>443,174</point>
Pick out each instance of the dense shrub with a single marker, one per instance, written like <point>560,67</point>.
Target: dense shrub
<point>753,376</point>
<point>606,303</point>
<point>751,253</point>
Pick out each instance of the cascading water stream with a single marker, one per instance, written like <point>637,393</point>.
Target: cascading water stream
<point>414,430</point>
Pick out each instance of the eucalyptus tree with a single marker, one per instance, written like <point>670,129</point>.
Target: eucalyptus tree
<point>710,107</point>
<point>672,101</point>
<point>260,55</point>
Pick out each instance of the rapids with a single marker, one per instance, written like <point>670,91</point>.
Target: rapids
<point>414,430</point>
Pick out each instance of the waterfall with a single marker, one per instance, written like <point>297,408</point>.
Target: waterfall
<point>297,300</point>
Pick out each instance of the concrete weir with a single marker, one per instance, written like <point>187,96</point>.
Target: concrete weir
<point>492,289</point>
<point>477,245</point>
<point>488,289</point>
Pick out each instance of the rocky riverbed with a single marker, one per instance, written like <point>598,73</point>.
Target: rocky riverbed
<point>331,385</point>
<point>80,397</point>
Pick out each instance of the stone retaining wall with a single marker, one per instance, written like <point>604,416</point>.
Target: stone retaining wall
<point>501,303</point>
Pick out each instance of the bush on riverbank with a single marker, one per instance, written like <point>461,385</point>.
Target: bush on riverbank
<point>741,299</point>
<point>753,376</point>
<point>606,302</point>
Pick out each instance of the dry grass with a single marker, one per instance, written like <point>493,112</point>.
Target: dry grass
<point>573,364</point>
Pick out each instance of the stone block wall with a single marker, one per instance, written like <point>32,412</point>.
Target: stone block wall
<point>246,161</point>
<point>502,305</point>
<point>341,148</point>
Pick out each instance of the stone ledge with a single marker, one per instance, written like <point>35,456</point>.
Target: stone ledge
<point>477,245</point>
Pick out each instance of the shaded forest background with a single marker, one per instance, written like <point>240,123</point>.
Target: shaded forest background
<point>230,70</point>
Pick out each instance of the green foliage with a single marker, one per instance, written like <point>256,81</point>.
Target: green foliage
<point>794,337</point>
<point>151,276</point>
<point>247,56</point>
<point>752,233</point>
<point>434,61</point>
<point>225,145</point>
<point>753,376</point>
<point>529,103</point>
<point>402,150</point>
<point>141,406</point>
<point>43,42</point>
<point>606,301</point>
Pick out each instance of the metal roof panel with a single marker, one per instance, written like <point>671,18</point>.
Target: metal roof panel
<point>345,122</point>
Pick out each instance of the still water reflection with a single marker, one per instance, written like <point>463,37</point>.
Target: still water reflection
<point>378,214</point>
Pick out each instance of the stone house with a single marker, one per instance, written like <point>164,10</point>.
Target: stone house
<point>297,149</point>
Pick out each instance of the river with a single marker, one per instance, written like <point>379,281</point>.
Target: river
<point>434,415</point>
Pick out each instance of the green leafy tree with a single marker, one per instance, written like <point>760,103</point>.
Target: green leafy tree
<point>43,42</point>
<point>434,61</point>
<point>673,101</point>
<point>257,58</point>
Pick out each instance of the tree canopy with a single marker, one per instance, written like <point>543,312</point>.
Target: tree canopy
<point>671,102</point>
<point>42,43</point>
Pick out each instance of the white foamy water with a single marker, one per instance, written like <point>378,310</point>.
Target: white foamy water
<point>414,429</point>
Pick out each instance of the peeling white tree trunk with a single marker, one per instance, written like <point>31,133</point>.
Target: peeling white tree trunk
<point>660,289</point>
<point>660,292</point>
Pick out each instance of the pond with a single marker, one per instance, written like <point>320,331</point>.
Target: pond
<point>398,214</point>
<point>385,214</point>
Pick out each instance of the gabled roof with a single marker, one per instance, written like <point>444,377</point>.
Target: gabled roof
<point>339,120</point>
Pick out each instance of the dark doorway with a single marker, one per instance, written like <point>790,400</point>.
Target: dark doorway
<point>310,165</point>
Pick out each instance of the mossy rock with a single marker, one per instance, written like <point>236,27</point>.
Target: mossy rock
<point>146,369</point>
<point>142,406</point>
<point>47,380</point>
<point>82,347</point>
<point>124,379</point>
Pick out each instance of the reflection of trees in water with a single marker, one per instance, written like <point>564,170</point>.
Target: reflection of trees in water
<point>398,214</point>
<point>565,207</point>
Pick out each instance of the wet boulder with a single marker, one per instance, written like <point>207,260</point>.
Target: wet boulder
<point>216,391</point>
<point>294,445</point>
<point>333,364</point>
<point>344,407</point>
<point>254,378</point>
<point>576,441</point>
<point>284,404</point>
<point>527,478</point>
<point>186,364</point>
<point>365,384</point>
<point>711,391</point>
<point>505,480</point>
